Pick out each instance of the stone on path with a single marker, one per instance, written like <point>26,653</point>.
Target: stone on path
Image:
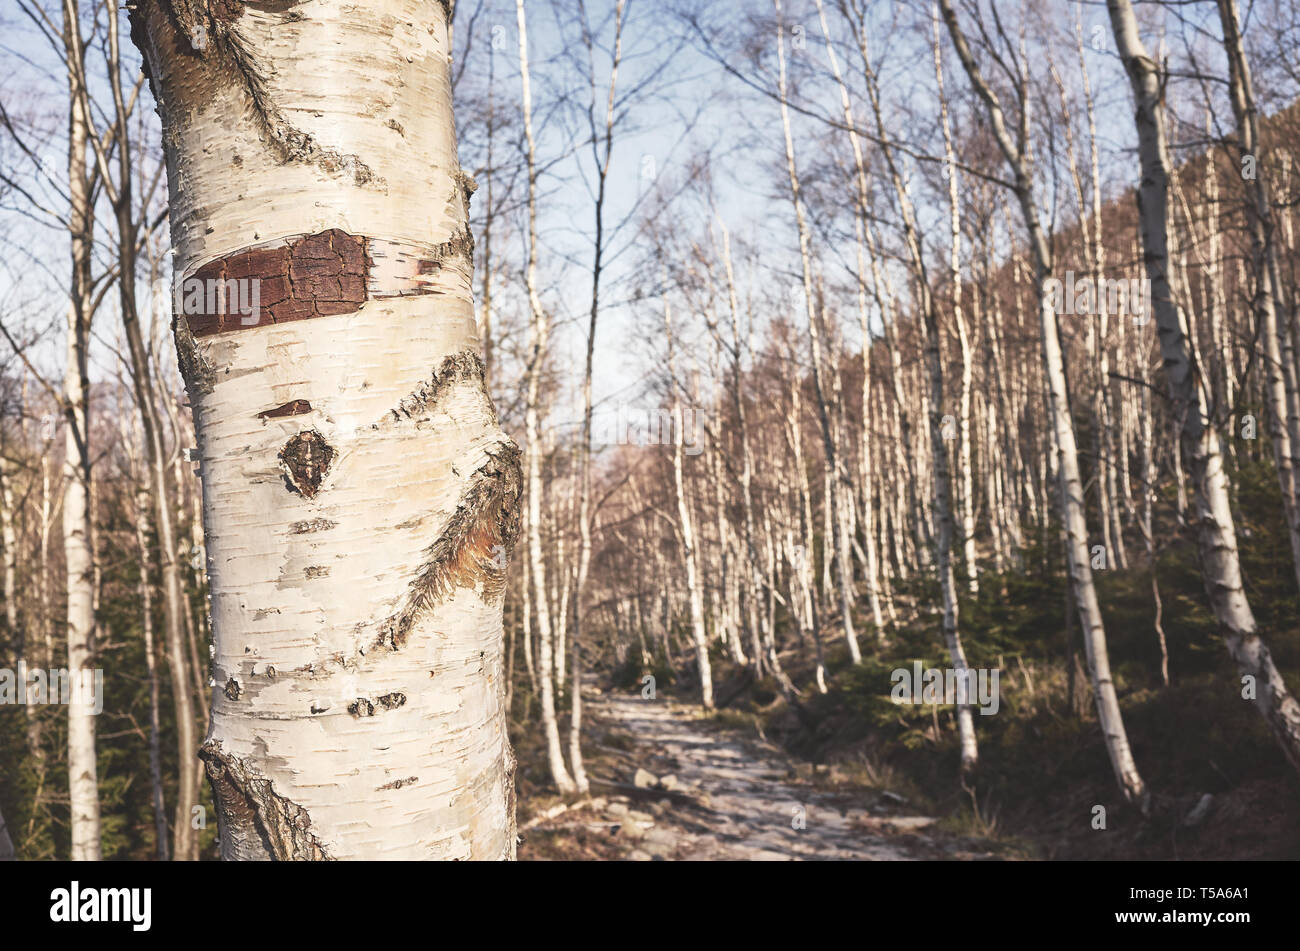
<point>644,779</point>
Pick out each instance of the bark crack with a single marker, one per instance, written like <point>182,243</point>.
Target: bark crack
<point>291,408</point>
<point>472,549</point>
<point>252,814</point>
<point>459,245</point>
<point>199,375</point>
<point>463,367</point>
<point>208,27</point>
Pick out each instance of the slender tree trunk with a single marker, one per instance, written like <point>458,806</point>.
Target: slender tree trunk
<point>156,797</point>
<point>538,333</point>
<point>966,496</point>
<point>182,656</point>
<point>690,551</point>
<point>942,486</point>
<point>28,648</point>
<point>1073,517</point>
<point>835,495</point>
<point>1216,532</point>
<point>78,531</point>
<point>1280,367</point>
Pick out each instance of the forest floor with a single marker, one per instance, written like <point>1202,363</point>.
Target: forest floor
<point>669,783</point>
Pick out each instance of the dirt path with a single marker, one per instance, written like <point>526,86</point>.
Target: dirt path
<point>670,785</point>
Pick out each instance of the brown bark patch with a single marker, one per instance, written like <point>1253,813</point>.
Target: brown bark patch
<point>225,11</point>
<point>305,460</point>
<point>291,408</point>
<point>315,275</point>
<point>250,812</point>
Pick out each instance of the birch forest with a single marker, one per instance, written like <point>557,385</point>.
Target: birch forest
<point>649,429</point>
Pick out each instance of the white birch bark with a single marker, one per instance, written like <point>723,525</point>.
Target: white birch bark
<point>1074,521</point>
<point>182,654</point>
<point>835,500</point>
<point>686,524</point>
<point>1280,368</point>
<point>156,796</point>
<point>860,226</point>
<point>538,334</point>
<point>1216,532</point>
<point>966,496</point>
<point>359,496</point>
<point>78,532</point>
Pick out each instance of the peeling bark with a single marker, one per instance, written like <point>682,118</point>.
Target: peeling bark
<point>256,823</point>
<point>468,553</point>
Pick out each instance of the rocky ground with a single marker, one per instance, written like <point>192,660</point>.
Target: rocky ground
<point>670,784</point>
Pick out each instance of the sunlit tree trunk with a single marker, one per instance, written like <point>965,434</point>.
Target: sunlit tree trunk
<point>686,525</point>
<point>156,797</point>
<point>1279,358</point>
<point>538,334</point>
<point>346,438</point>
<point>78,532</point>
<point>1216,532</point>
<point>1073,517</point>
<point>835,496</point>
<point>966,495</point>
<point>182,659</point>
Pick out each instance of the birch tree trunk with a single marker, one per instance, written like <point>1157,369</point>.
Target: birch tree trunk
<point>941,485</point>
<point>182,657</point>
<point>690,551</point>
<point>966,496</point>
<point>78,532</point>
<point>1216,533</point>
<point>28,650</point>
<point>835,493</point>
<point>359,496</point>
<point>156,797</point>
<point>860,228</point>
<point>602,161</point>
<point>538,333</point>
<point>1073,517</point>
<point>1280,365</point>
